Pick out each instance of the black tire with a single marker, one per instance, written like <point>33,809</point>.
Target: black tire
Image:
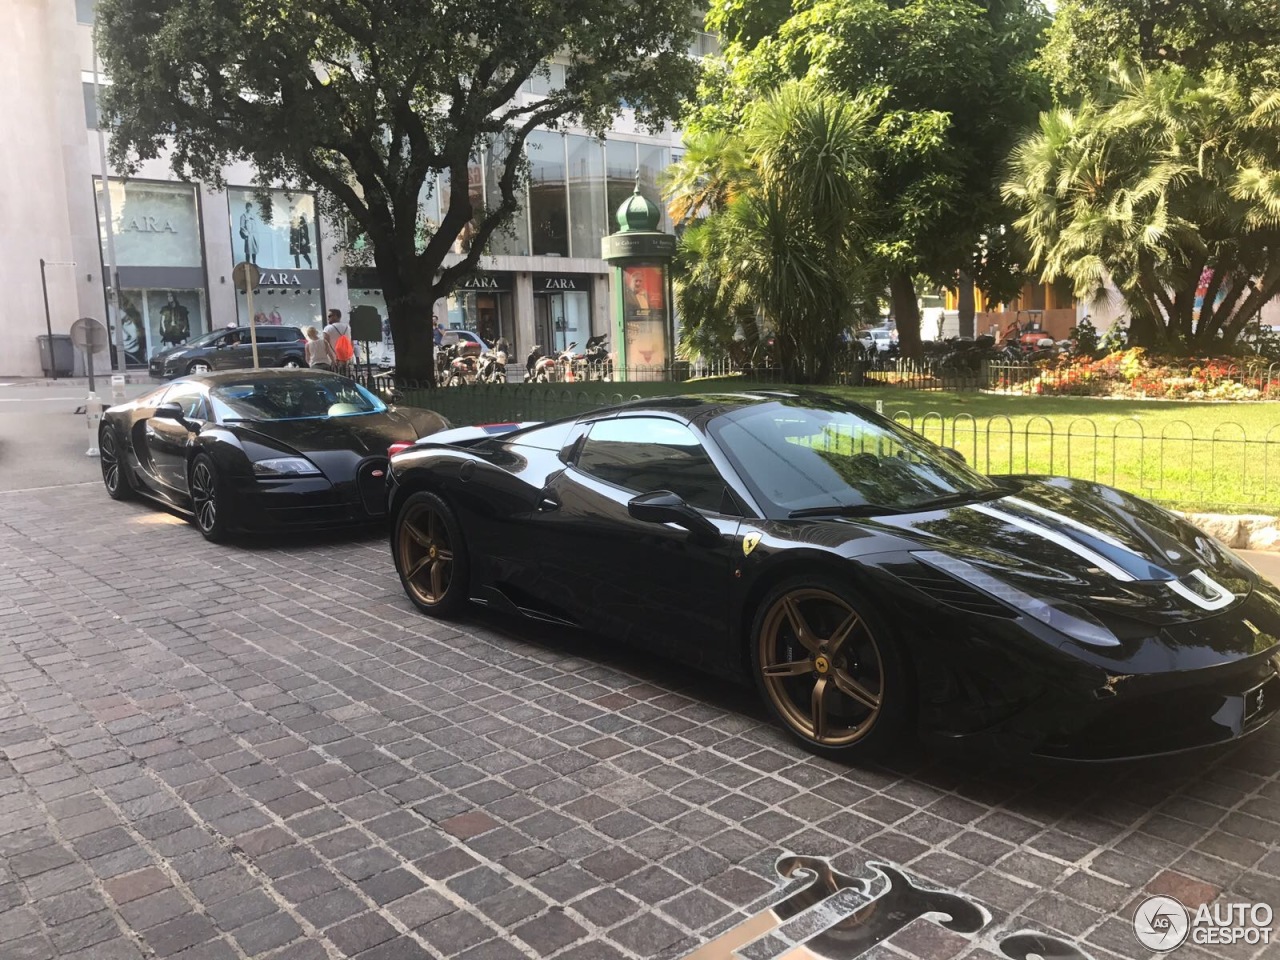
<point>867,661</point>
<point>210,502</point>
<point>115,470</point>
<point>431,555</point>
<point>199,366</point>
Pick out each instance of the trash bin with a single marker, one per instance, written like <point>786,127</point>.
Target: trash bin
<point>57,356</point>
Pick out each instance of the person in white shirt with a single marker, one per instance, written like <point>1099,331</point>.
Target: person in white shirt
<point>335,330</point>
<point>319,352</point>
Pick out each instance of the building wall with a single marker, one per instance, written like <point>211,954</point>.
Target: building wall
<point>50,175</point>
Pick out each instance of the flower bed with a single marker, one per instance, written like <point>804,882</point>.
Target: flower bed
<point>1131,374</point>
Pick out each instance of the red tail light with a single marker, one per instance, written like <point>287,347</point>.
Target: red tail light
<point>398,448</point>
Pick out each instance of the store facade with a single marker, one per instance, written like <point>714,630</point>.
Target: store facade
<point>155,229</point>
<point>562,310</point>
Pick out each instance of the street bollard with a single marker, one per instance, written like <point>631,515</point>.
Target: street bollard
<point>93,414</point>
<point>880,407</point>
<point>117,387</point>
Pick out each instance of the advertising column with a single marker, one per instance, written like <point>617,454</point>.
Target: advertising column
<point>640,255</point>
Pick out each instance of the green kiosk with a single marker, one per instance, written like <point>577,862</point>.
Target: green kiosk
<point>640,290</point>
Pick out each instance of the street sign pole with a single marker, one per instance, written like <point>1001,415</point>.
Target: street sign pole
<point>48,320</point>
<point>91,336</point>
<point>246,276</point>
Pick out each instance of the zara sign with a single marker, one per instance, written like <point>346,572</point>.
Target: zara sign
<point>559,283</point>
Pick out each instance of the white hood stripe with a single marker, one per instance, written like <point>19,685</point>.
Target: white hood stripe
<point>1067,521</point>
<point>1079,549</point>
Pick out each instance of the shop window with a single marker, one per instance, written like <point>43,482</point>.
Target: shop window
<point>588,209</point>
<point>548,196</point>
<point>549,79</point>
<point>275,232</point>
<point>84,11</point>
<point>152,224</point>
<point>643,454</point>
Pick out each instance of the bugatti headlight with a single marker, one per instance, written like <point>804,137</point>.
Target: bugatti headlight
<point>285,467</point>
<point>1063,616</point>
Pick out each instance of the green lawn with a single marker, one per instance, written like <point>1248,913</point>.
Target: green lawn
<point>1206,456</point>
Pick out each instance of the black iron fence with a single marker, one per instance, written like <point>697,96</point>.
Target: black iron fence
<point>1228,468</point>
<point>960,371</point>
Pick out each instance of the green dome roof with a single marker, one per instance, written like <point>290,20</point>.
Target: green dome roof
<point>637,213</point>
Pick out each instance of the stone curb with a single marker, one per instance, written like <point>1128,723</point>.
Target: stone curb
<point>1243,532</point>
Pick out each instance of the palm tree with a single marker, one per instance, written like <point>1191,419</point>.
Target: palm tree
<point>777,215</point>
<point>1168,185</point>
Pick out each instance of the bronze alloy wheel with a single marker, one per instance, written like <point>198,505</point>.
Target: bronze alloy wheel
<point>425,553</point>
<point>821,667</point>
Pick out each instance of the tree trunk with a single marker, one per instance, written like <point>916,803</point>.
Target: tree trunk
<point>906,311</point>
<point>411,331</point>
<point>966,304</point>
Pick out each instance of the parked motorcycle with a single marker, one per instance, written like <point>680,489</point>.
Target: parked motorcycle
<point>463,363</point>
<point>538,367</point>
<point>595,363</point>
<point>493,365</point>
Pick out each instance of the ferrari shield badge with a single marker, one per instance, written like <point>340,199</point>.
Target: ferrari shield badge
<point>749,543</point>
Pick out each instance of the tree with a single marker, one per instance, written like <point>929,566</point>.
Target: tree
<point>953,86</point>
<point>1168,184</point>
<point>365,101</point>
<point>1241,37</point>
<point>772,226</point>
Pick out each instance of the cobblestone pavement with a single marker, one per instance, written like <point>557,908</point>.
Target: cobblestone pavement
<point>262,751</point>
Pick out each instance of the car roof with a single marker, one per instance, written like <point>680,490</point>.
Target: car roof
<point>225,376</point>
<point>699,406</point>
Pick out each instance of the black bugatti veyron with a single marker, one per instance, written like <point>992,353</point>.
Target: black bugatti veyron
<point>870,583</point>
<point>258,449</point>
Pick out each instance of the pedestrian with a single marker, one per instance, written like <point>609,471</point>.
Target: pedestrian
<point>438,333</point>
<point>337,334</point>
<point>319,353</point>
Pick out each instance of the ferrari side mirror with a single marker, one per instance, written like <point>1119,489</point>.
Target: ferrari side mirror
<point>663,506</point>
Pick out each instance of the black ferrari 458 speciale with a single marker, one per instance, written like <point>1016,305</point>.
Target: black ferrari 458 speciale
<point>870,582</point>
<point>258,449</point>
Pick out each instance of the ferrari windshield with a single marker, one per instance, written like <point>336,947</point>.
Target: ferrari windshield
<point>311,397</point>
<point>811,456</point>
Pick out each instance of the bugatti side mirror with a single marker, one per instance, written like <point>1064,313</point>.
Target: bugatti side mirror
<point>663,506</point>
<point>171,411</point>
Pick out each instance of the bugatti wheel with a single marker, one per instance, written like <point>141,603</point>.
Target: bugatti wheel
<point>431,555</point>
<point>828,669</point>
<point>115,472</point>
<point>209,504</point>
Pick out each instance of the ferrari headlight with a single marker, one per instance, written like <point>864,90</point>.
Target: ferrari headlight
<point>1065,617</point>
<point>285,467</point>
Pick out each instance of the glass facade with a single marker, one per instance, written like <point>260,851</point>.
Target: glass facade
<point>548,196</point>
<point>652,161</point>
<point>620,175</point>
<point>588,209</point>
<point>512,239</point>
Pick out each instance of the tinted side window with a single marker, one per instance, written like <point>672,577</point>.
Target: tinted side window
<point>643,454</point>
<point>191,397</point>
